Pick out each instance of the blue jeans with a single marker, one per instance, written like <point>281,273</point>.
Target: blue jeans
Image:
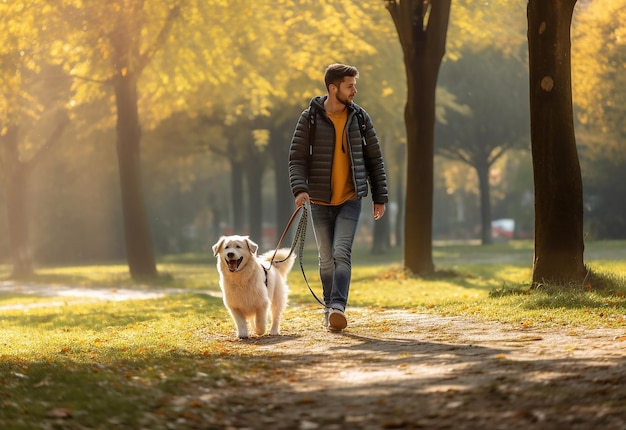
<point>334,228</point>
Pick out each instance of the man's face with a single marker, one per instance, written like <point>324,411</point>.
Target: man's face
<point>347,90</point>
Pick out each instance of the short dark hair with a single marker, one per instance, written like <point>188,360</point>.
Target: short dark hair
<point>335,73</point>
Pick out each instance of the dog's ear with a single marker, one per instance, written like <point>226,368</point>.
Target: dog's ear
<point>251,245</point>
<point>218,246</point>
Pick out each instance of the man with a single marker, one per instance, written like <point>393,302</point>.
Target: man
<point>332,159</point>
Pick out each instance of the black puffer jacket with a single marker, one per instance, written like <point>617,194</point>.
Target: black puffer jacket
<point>310,167</point>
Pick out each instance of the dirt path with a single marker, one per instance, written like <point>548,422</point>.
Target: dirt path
<point>426,371</point>
<point>77,295</point>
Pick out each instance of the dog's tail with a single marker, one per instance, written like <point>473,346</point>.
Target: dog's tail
<point>282,261</point>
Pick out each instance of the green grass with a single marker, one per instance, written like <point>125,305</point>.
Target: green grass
<point>109,364</point>
<point>491,283</point>
<point>131,364</point>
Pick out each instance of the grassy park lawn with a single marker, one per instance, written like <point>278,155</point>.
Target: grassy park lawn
<point>124,364</point>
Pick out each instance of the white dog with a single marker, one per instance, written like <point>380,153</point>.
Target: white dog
<point>251,285</point>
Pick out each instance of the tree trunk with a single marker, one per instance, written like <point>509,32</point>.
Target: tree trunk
<point>284,198</point>
<point>559,245</point>
<point>17,219</point>
<point>17,176</point>
<point>381,234</point>
<point>237,194</point>
<point>422,28</point>
<point>420,119</point>
<point>254,175</point>
<point>138,241</point>
<point>400,158</point>
<point>482,170</point>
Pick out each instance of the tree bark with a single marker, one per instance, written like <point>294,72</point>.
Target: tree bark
<point>138,239</point>
<point>422,27</point>
<point>559,245</point>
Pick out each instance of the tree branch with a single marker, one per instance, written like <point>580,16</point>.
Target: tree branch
<point>392,7</point>
<point>88,79</point>
<point>145,58</point>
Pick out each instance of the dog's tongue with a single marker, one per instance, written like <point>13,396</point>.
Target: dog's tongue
<point>232,265</point>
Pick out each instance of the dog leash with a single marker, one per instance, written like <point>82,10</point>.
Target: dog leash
<point>299,240</point>
<point>282,237</point>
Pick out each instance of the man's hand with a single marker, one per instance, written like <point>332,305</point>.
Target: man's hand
<point>379,210</point>
<point>301,198</point>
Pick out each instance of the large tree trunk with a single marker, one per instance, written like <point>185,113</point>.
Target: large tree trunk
<point>138,240</point>
<point>16,184</point>
<point>128,63</point>
<point>420,119</point>
<point>559,242</point>
<point>422,28</point>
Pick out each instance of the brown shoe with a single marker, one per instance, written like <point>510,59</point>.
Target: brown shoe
<point>337,320</point>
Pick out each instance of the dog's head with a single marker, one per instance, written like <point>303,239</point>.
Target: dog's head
<point>233,251</point>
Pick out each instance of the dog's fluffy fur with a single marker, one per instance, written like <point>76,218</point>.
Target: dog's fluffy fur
<point>250,285</point>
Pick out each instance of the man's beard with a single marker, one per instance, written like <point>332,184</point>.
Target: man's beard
<point>345,101</point>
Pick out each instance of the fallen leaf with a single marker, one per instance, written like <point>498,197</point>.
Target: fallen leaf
<point>59,413</point>
<point>308,425</point>
<point>43,383</point>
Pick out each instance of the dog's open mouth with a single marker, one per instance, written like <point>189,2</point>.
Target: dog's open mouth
<point>233,264</point>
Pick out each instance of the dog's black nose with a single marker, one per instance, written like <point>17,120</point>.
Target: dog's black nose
<point>230,255</point>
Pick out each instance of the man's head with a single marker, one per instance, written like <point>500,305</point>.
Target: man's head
<point>336,72</point>
<point>340,80</point>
